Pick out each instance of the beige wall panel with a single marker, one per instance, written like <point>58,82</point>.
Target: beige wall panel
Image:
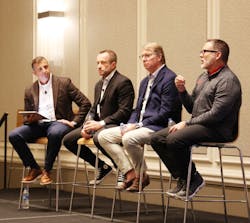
<point>111,25</point>
<point>180,27</point>
<point>58,38</point>
<point>72,42</point>
<point>235,29</point>
<point>16,44</point>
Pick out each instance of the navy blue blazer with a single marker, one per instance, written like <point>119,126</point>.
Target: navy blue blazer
<point>163,101</point>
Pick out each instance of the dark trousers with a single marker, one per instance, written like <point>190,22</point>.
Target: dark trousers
<point>22,135</point>
<point>70,142</point>
<point>174,148</point>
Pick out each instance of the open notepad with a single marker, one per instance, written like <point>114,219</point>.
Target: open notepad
<point>35,113</point>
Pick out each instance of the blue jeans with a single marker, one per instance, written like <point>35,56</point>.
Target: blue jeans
<point>24,134</point>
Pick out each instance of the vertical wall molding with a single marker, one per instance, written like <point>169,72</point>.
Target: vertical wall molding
<point>34,33</point>
<point>141,36</point>
<point>83,47</point>
<point>213,19</point>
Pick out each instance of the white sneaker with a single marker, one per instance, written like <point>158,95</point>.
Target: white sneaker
<point>120,179</point>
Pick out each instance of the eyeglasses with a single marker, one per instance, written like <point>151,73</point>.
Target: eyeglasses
<point>146,56</point>
<point>208,51</point>
<point>41,68</point>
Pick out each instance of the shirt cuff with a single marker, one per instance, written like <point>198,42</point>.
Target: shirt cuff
<point>102,123</point>
<point>138,125</point>
<point>74,123</point>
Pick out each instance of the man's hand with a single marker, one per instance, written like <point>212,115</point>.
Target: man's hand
<point>67,122</point>
<point>177,126</point>
<point>91,126</point>
<point>127,127</point>
<point>180,83</point>
<point>85,134</point>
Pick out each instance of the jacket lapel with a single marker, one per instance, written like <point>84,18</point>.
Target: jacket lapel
<point>98,91</point>
<point>158,78</point>
<point>36,95</point>
<point>109,85</point>
<point>55,88</point>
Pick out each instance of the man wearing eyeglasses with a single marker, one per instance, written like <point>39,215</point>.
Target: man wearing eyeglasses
<point>214,104</point>
<point>157,102</point>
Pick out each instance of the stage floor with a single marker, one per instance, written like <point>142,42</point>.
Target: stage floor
<point>40,211</point>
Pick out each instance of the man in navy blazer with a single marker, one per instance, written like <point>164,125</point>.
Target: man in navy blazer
<point>157,102</point>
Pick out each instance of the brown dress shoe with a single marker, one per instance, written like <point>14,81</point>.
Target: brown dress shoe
<point>45,179</point>
<point>32,176</point>
<point>135,186</point>
<point>125,184</point>
<point>128,180</point>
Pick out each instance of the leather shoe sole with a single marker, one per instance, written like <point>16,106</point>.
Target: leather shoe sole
<point>135,186</point>
<point>125,184</point>
<point>45,179</point>
<point>33,175</point>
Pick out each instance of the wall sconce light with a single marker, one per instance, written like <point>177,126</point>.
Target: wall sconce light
<point>50,14</point>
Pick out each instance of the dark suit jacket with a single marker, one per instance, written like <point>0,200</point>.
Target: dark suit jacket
<point>117,102</point>
<point>163,101</point>
<point>64,93</point>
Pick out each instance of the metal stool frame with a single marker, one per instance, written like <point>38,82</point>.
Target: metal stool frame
<point>88,142</point>
<point>44,141</point>
<point>143,192</point>
<point>215,198</point>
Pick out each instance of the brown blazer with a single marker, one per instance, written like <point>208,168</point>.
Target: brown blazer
<point>64,93</point>
<point>117,102</point>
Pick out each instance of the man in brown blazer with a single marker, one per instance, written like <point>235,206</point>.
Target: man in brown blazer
<point>52,98</point>
<point>113,103</point>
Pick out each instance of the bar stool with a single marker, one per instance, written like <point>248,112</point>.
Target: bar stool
<point>214,198</point>
<point>44,141</point>
<point>89,143</point>
<point>142,192</point>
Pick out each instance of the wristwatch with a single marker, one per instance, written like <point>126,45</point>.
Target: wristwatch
<point>138,125</point>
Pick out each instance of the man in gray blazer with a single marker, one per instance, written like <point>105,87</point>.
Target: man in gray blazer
<point>113,103</point>
<point>52,98</point>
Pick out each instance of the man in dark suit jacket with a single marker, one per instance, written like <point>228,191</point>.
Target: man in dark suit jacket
<point>52,98</point>
<point>113,103</point>
<point>157,102</point>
